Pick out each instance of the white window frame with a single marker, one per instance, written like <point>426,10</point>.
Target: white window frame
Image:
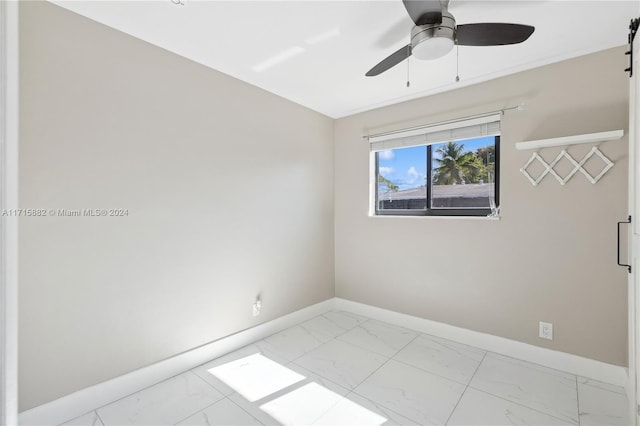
<point>454,130</point>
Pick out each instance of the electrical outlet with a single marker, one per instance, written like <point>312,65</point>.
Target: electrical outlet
<point>257,307</point>
<point>545,330</point>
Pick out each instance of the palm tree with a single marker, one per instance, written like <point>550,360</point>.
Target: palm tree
<point>384,182</point>
<point>488,157</point>
<point>455,165</point>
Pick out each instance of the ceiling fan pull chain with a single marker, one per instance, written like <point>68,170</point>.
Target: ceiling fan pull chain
<point>457,63</point>
<point>408,75</point>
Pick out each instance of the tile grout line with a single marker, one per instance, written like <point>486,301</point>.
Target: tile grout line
<point>200,410</point>
<point>218,400</point>
<point>162,381</point>
<point>486,350</point>
<point>307,331</point>
<point>276,394</point>
<point>377,369</point>
<point>378,405</point>
<point>77,417</point>
<point>476,347</point>
<point>484,353</point>
<point>264,400</point>
<point>522,360</point>
<point>346,330</point>
<point>384,363</point>
<point>310,332</point>
<point>389,358</point>
<point>308,352</point>
<point>328,409</point>
<point>209,384</point>
<point>622,392</point>
<point>336,338</point>
<point>293,386</point>
<point>347,387</point>
<point>286,358</point>
<point>578,399</point>
<point>300,384</point>
<point>431,372</point>
<point>520,404</point>
<point>143,389</point>
<point>377,337</point>
<point>465,389</point>
<point>349,391</point>
<point>99,418</point>
<point>238,405</point>
<point>321,377</point>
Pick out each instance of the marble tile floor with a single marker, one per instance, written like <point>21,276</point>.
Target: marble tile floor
<point>344,369</point>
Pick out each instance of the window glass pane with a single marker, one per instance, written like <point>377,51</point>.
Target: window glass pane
<point>463,174</point>
<point>401,178</point>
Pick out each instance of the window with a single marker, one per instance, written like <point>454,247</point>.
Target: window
<point>455,175</point>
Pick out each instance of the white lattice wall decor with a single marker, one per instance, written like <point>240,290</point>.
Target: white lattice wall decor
<point>577,166</point>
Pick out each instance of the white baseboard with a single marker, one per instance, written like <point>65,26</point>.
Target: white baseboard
<point>83,401</point>
<point>86,400</point>
<point>574,364</point>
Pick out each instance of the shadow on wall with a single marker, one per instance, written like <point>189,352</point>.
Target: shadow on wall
<point>561,123</point>
<point>482,106</point>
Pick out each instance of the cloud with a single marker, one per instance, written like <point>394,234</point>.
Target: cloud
<point>385,171</point>
<point>412,176</point>
<point>386,155</point>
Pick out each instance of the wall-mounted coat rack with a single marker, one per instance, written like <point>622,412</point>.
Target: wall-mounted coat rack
<point>577,165</point>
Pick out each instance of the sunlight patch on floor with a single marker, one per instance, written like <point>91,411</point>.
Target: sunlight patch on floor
<point>255,376</point>
<point>301,406</point>
<point>315,404</point>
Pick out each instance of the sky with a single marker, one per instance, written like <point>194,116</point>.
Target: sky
<point>407,168</point>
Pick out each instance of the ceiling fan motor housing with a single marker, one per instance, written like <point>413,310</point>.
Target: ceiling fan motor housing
<point>433,41</point>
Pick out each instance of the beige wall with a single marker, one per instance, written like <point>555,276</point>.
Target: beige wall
<point>551,257</point>
<point>229,191</point>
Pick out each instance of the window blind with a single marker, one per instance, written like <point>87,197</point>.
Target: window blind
<point>438,133</point>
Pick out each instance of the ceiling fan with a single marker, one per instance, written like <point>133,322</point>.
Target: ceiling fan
<point>436,32</point>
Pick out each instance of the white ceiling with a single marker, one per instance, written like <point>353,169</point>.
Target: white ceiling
<point>326,47</point>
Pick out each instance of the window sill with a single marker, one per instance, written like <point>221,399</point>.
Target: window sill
<point>389,216</point>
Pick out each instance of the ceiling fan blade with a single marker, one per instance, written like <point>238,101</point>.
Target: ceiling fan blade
<point>390,61</point>
<point>492,34</point>
<point>424,12</point>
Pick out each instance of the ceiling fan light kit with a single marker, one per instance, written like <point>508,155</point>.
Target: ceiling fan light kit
<point>433,41</point>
